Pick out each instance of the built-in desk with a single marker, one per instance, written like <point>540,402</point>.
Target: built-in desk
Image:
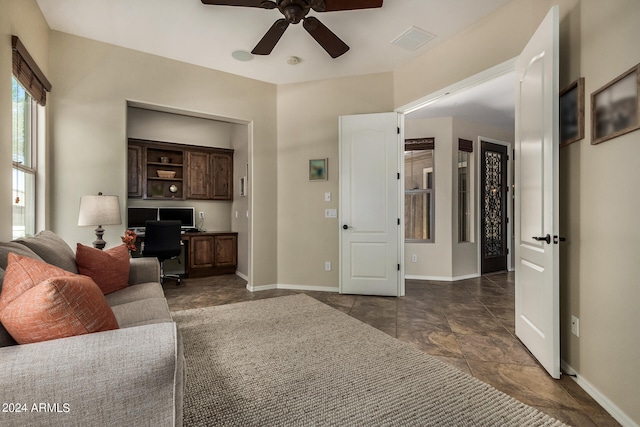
<point>206,253</point>
<point>210,253</point>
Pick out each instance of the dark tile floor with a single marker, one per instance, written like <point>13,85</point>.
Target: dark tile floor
<point>469,324</point>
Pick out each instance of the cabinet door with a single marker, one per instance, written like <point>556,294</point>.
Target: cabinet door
<point>226,251</point>
<point>134,171</point>
<point>222,179</point>
<point>198,175</point>
<point>201,253</point>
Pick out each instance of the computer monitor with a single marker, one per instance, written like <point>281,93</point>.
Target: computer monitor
<point>138,217</point>
<point>186,215</point>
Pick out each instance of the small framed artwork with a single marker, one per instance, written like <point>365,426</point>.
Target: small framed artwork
<point>318,169</point>
<point>614,107</point>
<point>572,113</point>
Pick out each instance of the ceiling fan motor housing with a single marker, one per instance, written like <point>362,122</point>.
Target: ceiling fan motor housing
<point>294,11</point>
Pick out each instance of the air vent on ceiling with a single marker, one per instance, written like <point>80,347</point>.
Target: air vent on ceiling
<point>413,38</point>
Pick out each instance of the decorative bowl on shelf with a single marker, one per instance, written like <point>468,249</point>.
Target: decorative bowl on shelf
<point>165,159</point>
<point>166,174</point>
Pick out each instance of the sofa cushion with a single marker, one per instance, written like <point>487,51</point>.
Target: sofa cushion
<point>52,249</point>
<point>142,312</point>
<point>23,273</point>
<point>59,307</point>
<point>135,293</point>
<point>108,268</point>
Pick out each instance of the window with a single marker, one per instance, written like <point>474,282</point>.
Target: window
<point>419,197</point>
<point>24,119</point>
<point>29,88</point>
<point>465,148</point>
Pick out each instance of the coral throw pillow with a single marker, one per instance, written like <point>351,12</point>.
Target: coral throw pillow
<point>23,273</point>
<point>108,268</point>
<point>58,307</point>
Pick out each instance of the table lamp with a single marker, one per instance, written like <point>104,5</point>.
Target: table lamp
<point>99,210</point>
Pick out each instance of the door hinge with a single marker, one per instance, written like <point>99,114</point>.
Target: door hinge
<point>398,175</point>
<point>398,130</point>
<point>507,251</point>
<point>398,221</point>
<point>398,267</point>
<point>507,220</point>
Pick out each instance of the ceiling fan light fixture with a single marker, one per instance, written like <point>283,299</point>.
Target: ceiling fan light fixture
<point>242,55</point>
<point>293,60</point>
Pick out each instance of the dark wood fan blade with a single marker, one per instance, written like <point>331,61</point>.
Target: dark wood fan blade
<point>271,38</point>
<point>335,5</point>
<point>265,4</point>
<point>327,39</point>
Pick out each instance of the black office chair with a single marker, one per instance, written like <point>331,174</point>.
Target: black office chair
<point>162,240</point>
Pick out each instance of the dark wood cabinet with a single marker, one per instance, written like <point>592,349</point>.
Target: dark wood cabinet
<point>198,176</point>
<point>211,253</point>
<point>134,170</point>
<point>222,171</point>
<point>164,170</point>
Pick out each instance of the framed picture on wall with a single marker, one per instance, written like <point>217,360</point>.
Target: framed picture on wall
<point>318,169</point>
<point>614,107</point>
<point>572,113</point>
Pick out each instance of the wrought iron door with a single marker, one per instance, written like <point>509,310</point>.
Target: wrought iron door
<point>494,187</point>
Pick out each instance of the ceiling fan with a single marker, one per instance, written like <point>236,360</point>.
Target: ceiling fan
<point>295,11</point>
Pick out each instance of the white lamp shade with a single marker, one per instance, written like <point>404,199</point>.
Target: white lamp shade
<point>99,210</point>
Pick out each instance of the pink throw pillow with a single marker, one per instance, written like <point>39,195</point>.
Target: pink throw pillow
<point>108,268</point>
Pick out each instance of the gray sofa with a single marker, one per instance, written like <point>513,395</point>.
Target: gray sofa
<point>131,376</point>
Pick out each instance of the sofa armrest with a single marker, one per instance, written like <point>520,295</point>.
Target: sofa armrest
<point>131,376</point>
<point>143,270</point>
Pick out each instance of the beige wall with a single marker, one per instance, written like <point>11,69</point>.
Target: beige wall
<point>599,207</point>
<point>23,19</point>
<point>93,82</point>
<point>308,129</point>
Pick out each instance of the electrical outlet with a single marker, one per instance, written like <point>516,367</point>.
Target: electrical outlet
<point>414,258</point>
<point>327,266</point>
<point>201,214</point>
<point>575,326</point>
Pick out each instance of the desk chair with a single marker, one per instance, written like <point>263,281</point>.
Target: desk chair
<point>162,240</point>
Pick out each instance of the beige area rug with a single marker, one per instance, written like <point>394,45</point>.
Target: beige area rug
<point>294,361</point>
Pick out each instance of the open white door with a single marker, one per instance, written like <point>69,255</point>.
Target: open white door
<point>536,196</point>
<point>370,205</point>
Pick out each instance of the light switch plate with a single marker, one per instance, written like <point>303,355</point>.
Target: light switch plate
<point>331,213</point>
<point>327,196</point>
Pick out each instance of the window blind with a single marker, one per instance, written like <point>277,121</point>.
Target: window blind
<point>415,144</point>
<point>28,73</point>
<point>465,145</point>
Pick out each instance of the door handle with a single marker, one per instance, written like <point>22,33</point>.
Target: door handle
<point>546,238</point>
<point>346,227</point>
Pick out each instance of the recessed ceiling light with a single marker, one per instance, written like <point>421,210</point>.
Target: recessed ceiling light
<point>242,55</point>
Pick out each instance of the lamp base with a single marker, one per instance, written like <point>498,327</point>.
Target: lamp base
<point>99,243</point>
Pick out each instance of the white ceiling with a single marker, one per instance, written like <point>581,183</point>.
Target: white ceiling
<point>206,35</point>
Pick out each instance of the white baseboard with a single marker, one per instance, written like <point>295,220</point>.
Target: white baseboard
<point>442,278</point>
<point>242,276</point>
<point>293,287</point>
<point>602,400</point>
